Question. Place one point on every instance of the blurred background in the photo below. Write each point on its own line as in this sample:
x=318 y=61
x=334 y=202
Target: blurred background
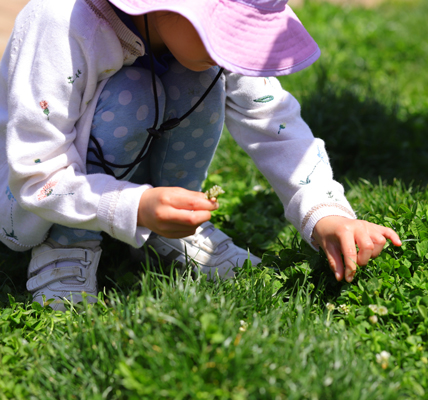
x=9 y=9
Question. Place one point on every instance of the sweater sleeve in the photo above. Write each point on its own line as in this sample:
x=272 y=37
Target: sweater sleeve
x=265 y=121
x=61 y=52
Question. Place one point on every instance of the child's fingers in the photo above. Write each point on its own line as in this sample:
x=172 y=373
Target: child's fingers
x=184 y=218
x=174 y=212
x=190 y=200
x=180 y=223
x=379 y=244
x=334 y=257
x=337 y=236
x=388 y=233
x=366 y=246
x=349 y=251
x=378 y=235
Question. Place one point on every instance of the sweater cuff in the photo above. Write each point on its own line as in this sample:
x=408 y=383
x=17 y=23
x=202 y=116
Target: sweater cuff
x=318 y=212
x=118 y=212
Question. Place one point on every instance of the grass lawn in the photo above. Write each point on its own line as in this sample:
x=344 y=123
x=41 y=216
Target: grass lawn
x=286 y=330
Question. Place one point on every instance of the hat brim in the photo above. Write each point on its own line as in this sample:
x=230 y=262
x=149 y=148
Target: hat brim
x=241 y=38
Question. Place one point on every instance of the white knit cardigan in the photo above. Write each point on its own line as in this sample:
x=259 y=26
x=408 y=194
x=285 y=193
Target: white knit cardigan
x=58 y=59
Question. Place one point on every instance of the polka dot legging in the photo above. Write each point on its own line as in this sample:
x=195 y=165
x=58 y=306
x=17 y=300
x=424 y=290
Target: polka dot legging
x=125 y=110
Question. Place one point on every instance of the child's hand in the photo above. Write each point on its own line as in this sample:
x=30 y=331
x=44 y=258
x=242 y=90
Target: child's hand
x=339 y=235
x=174 y=212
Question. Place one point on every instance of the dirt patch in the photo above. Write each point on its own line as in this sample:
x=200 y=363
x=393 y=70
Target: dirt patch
x=9 y=9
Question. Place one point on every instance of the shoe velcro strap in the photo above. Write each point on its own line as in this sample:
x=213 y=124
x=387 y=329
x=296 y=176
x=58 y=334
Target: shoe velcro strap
x=217 y=238
x=57 y=255
x=54 y=275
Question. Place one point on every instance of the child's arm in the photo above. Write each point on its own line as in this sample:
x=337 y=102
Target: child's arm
x=338 y=235
x=265 y=121
x=51 y=75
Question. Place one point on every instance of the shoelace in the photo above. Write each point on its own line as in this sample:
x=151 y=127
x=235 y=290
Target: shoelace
x=154 y=133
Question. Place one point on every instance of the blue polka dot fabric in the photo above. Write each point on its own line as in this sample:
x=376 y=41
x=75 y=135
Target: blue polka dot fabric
x=124 y=112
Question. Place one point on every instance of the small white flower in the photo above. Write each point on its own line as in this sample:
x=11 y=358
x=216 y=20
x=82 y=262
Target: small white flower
x=214 y=192
x=243 y=326
x=330 y=307
x=373 y=319
x=328 y=381
x=344 y=308
x=382 y=358
x=374 y=308
x=382 y=310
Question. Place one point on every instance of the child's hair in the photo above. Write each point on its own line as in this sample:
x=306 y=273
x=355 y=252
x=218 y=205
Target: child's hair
x=250 y=37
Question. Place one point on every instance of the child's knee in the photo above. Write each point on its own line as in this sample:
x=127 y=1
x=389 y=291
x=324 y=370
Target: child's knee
x=219 y=90
x=185 y=86
x=124 y=112
x=127 y=104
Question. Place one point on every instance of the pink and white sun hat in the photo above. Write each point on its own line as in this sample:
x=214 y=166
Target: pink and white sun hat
x=250 y=37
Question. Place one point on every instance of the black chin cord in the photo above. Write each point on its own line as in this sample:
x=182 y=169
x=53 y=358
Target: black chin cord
x=154 y=133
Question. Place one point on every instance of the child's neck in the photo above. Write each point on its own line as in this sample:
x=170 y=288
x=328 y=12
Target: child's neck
x=157 y=45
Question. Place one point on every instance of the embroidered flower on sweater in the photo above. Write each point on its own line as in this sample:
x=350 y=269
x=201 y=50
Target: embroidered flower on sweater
x=9 y=194
x=330 y=195
x=264 y=99
x=37 y=161
x=281 y=127
x=48 y=190
x=71 y=79
x=45 y=107
x=11 y=233
x=322 y=158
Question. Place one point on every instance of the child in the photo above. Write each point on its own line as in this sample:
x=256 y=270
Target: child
x=110 y=114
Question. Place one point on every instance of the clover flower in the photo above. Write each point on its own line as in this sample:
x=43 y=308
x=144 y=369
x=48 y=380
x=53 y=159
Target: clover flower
x=344 y=308
x=382 y=310
x=330 y=307
x=374 y=308
x=383 y=358
x=214 y=192
x=373 y=319
x=244 y=326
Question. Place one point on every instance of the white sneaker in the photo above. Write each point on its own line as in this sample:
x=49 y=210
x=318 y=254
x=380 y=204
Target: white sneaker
x=208 y=250
x=62 y=274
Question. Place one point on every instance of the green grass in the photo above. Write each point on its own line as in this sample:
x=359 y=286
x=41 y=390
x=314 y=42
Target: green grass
x=268 y=334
